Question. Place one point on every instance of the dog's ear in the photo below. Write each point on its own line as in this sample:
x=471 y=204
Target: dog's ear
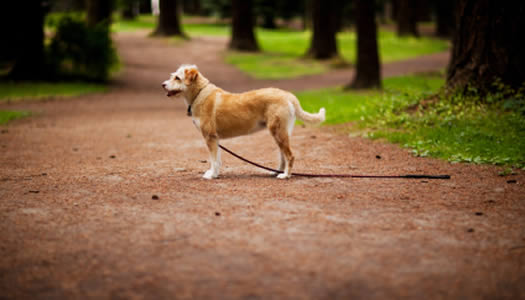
x=190 y=75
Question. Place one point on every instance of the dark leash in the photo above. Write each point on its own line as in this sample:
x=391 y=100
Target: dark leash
x=406 y=176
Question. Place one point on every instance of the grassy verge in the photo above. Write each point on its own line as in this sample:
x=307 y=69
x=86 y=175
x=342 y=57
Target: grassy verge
x=283 y=50
x=6 y=116
x=448 y=127
x=11 y=91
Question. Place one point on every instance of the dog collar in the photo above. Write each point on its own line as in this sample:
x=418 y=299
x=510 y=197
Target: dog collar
x=188 y=112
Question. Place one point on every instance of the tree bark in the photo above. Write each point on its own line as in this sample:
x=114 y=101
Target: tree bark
x=487 y=45
x=169 y=20
x=192 y=7
x=28 y=42
x=368 y=71
x=323 y=44
x=130 y=9
x=268 y=9
x=407 y=18
x=99 y=11
x=243 y=36
x=444 y=18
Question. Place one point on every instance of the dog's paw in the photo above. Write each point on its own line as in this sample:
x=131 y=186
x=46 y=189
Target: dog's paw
x=283 y=176
x=210 y=175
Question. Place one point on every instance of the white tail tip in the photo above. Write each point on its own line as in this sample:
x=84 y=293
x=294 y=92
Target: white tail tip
x=322 y=113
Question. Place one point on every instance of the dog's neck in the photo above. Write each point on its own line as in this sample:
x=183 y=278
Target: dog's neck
x=192 y=93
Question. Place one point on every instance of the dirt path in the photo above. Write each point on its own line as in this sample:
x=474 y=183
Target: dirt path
x=77 y=218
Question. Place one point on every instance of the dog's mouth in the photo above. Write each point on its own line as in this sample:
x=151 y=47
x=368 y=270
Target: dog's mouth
x=173 y=93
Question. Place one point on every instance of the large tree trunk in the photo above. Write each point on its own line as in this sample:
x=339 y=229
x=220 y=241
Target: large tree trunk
x=323 y=44
x=407 y=18
x=243 y=36
x=169 y=23
x=99 y=11
x=28 y=41
x=368 y=72
x=444 y=18
x=487 y=45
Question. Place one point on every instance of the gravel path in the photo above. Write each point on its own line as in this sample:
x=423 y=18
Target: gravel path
x=101 y=197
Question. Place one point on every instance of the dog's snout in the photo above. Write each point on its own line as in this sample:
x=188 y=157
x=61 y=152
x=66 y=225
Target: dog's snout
x=163 y=85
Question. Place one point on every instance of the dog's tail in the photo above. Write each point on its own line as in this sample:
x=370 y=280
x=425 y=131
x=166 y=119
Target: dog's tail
x=306 y=116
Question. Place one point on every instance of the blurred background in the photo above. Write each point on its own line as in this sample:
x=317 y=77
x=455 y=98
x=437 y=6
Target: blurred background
x=463 y=71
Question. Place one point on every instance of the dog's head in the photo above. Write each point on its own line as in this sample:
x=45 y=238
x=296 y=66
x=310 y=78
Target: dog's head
x=181 y=80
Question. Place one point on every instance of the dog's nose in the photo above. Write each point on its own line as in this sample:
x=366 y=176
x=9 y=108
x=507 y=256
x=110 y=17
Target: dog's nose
x=163 y=85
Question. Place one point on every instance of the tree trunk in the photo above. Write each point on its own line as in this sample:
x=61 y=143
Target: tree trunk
x=324 y=44
x=145 y=7
x=99 y=11
x=407 y=18
x=268 y=9
x=169 y=23
x=130 y=9
x=243 y=36
x=368 y=71
x=487 y=45
x=192 y=7
x=444 y=17
x=28 y=41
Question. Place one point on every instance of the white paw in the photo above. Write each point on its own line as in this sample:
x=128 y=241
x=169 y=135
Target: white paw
x=283 y=176
x=209 y=175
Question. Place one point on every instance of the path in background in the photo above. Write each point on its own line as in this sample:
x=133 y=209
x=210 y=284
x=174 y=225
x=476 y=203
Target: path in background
x=78 y=220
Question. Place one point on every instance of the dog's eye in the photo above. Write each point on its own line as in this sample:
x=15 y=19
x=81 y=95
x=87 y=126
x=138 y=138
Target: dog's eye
x=177 y=78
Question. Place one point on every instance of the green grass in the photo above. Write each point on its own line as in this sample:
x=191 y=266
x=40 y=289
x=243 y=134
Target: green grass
x=6 y=116
x=11 y=91
x=454 y=128
x=283 y=50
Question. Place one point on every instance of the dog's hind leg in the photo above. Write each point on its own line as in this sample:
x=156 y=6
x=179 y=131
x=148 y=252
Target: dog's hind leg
x=215 y=158
x=279 y=129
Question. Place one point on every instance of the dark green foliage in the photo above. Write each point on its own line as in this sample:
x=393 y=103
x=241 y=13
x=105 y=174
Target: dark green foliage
x=82 y=52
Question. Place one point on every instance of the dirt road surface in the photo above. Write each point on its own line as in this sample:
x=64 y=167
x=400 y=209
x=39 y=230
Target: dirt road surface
x=101 y=197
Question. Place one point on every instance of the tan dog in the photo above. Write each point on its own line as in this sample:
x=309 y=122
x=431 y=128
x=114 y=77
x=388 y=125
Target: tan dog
x=219 y=114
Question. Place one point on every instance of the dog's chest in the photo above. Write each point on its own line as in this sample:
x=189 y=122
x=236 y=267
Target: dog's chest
x=196 y=122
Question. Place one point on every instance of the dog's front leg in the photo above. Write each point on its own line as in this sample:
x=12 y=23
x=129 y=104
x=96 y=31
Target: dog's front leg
x=215 y=158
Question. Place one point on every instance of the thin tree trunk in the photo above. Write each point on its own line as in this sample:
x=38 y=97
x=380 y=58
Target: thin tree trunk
x=28 y=41
x=407 y=18
x=444 y=18
x=487 y=45
x=130 y=9
x=243 y=36
x=99 y=11
x=268 y=9
x=324 y=43
x=368 y=71
x=169 y=20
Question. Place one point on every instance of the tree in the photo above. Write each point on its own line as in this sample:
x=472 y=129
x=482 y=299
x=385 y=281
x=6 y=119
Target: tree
x=243 y=36
x=487 y=45
x=406 y=17
x=192 y=7
x=99 y=11
x=323 y=44
x=27 y=43
x=267 y=9
x=368 y=73
x=444 y=17
x=169 y=21
x=130 y=9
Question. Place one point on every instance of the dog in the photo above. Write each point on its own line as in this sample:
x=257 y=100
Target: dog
x=218 y=114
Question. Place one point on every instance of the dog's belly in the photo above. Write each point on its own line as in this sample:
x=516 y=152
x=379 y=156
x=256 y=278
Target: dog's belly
x=237 y=128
